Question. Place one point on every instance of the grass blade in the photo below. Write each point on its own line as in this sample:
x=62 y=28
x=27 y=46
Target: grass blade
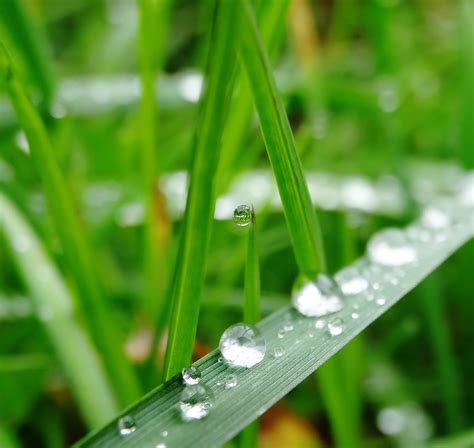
x=252 y=276
x=300 y=216
x=17 y=28
x=71 y=235
x=54 y=308
x=263 y=385
x=190 y=265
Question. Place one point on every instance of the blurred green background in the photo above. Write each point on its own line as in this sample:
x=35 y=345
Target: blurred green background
x=379 y=95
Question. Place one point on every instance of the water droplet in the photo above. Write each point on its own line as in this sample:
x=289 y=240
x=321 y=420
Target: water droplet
x=320 y=324
x=336 y=326
x=369 y=297
x=191 y=375
x=375 y=286
x=195 y=402
x=311 y=335
x=355 y=316
x=317 y=298
x=164 y=434
x=220 y=359
x=380 y=301
x=391 y=247
x=243 y=215
x=242 y=345
x=436 y=217
x=126 y=425
x=394 y=281
x=281 y=333
x=161 y=445
x=391 y=421
x=351 y=281
x=231 y=381
x=288 y=327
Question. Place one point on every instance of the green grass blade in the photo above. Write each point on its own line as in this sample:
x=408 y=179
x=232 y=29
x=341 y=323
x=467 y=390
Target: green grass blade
x=151 y=44
x=263 y=385
x=8 y=438
x=54 y=308
x=17 y=28
x=71 y=235
x=252 y=276
x=190 y=265
x=300 y=216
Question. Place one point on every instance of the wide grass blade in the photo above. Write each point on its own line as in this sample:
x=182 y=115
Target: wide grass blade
x=91 y=302
x=54 y=308
x=300 y=215
x=263 y=385
x=191 y=260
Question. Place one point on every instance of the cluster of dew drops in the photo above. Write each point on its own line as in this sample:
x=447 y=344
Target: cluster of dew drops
x=389 y=252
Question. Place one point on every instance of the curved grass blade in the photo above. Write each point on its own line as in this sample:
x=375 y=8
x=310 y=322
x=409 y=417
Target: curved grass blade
x=300 y=215
x=190 y=264
x=74 y=243
x=263 y=385
x=54 y=309
x=17 y=28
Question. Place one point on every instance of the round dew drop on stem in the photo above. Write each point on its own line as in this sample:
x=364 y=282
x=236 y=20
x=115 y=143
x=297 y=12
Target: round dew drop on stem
x=242 y=345
x=336 y=326
x=195 y=402
x=191 y=375
x=243 y=215
x=126 y=426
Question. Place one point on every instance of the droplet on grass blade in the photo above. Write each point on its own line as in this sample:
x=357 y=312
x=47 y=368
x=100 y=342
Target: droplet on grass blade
x=336 y=326
x=191 y=375
x=242 y=345
x=126 y=425
x=391 y=247
x=195 y=402
x=231 y=381
x=351 y=281
x=317 y=298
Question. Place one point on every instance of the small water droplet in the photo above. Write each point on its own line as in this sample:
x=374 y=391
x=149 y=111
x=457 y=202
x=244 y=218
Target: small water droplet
x=317 y=298
x=369 y=297
x=351 y=281
x=195 y=402
x=394 y=281
x=355 y=316
x=231 y=381
x=161 y=445
x=243 y=215
x=191 y=375
x=380 y=301
x=335 y=326
x=375 y=286
x=288 y=327
x=242 y=345
x=391 y=247
x=311 y=335
x=436 y=217
x=164 y=434
x=220 y=359
x=126 y=425
x=281 y=333
x=320 y=324
x=278 y=351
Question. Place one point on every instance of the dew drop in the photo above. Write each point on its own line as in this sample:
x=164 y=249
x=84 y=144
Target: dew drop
x=243 y=215
x=336 y=326
x=281 y=333
x=317 y=298
x=195 y=402
x=164 y=434
x=351 y=281
x=288 y=327
x=191 y=375
x=355 y=316
x=436 y=217
x=278 y=351
x=242 y=345
x=231 y=381
x=320 y=324
x=391 y=247
x=380 y=301
x=126 y=426
x=161 y=445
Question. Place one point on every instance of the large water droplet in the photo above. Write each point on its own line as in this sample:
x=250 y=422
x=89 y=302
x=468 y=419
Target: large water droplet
x=242 y=345
x=351 y=281
x=243 y=215
x=336 y=326
x=231 y=381
x=391 y=247
x=126 y=425
x=191 y=375
x=195 y=402
x=317 y=298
